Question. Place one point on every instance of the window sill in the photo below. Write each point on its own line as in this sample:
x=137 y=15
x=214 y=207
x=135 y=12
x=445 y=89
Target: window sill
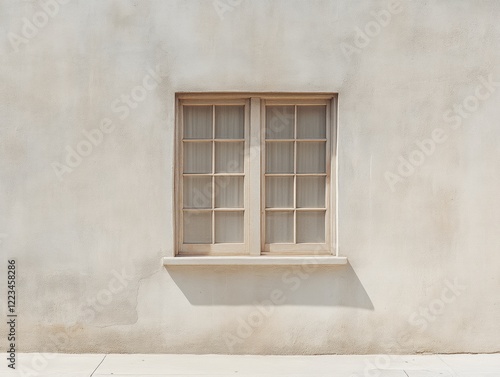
x=254 y=261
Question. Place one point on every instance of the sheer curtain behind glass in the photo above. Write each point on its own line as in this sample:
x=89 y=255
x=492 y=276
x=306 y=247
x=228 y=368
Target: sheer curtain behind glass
x=295 y=174
x=213 y=174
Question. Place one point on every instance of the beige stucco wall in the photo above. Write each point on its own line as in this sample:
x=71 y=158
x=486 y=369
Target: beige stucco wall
x=88 y=238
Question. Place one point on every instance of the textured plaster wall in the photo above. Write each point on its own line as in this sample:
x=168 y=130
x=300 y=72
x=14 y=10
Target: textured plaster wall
x=88 y=235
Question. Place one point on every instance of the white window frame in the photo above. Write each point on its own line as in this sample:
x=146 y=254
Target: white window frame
x=254 y=204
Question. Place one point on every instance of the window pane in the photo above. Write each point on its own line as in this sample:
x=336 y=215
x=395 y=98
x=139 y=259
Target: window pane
x=310 y=192
x=311 y=122
x=229 y=227
x=197 y=192
x=229 y=157
x=279 y=192
x=229 y=192
x=280 y=122
x=310 y=227
x=279 y=227
x=279 y=157
x=198 y=157
x=197 y=227
x=197 y=122
x=311 y=157
x=229 y=122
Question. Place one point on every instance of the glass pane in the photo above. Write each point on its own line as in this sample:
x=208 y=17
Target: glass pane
x=311 y=157
x=197 y=227
x=279 y=227
x=229 y=122
x=279 y=192
x=279 y=157
x=229 y=157
x=229 y=227
x=311 y=122
x=310 y=192
x=197 y=122
x=310 y=227
x=198 y=157
x=280 y=122
x=197 y=192
x=229 y=192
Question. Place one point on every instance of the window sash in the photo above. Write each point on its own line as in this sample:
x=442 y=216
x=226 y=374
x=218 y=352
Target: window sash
x=210 y=248
x=294 y=248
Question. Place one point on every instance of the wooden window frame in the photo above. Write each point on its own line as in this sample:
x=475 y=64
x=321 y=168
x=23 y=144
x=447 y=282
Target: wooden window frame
x=254 y=175
x=213 y=248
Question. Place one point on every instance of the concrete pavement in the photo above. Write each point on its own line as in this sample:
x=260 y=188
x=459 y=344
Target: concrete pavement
x=152 y=365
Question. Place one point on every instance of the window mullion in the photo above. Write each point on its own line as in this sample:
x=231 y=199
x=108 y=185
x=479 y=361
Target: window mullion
x=295 y=175
x=254 y=178
x=213 y=175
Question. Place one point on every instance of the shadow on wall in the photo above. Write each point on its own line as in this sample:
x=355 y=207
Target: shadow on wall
x=248 y=285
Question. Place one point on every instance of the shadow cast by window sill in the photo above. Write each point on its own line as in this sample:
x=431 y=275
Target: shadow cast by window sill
x=248 y=285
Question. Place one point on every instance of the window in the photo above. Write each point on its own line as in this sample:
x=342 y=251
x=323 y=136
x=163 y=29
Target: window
x=256 y=174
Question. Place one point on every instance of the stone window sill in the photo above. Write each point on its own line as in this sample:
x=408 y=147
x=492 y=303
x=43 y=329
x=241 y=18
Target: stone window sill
x=253 y=261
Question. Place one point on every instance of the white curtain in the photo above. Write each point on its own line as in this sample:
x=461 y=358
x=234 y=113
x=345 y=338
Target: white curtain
x=311 y=157
x=197 y=157
x=198 y=192
x=279 y=157
x=229 y=192
x=229 y=122
x=279 y=192
x=309 y=191
x=311 y=122
x=198 y=122
x=229 y=227
x=198 y=227
x=279 y=227
x=229 y=157
x=310 y=226
x=221 y=192
x=280 y=122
